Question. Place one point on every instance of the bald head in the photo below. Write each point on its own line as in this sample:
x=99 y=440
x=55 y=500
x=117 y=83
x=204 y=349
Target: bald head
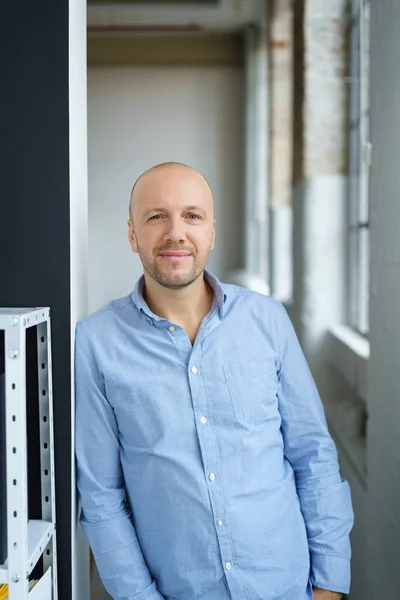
x=170 y=174
x=172 y=225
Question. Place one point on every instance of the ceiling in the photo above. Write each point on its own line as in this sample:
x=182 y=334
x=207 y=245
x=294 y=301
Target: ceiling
x=177 y=15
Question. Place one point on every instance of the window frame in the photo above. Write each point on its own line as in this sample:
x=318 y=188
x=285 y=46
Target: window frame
x=359 y=168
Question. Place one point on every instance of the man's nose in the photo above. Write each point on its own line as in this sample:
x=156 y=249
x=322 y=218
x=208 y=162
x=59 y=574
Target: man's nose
x=175 y=231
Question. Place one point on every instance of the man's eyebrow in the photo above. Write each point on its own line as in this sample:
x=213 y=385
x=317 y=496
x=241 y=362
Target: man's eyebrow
x=151 y=210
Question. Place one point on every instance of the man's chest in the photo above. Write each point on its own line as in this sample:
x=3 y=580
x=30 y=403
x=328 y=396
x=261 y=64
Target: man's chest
x=166 y=390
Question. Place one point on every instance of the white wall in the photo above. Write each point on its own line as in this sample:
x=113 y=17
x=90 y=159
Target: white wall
x=384 y=376
x=138 y=117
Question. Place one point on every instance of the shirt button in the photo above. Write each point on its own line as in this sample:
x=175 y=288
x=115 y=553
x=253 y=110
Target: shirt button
x=228 y=566
x=203 y=420
x=220 y=522
x=194 y=370
x=212 y=476
x=171 y=328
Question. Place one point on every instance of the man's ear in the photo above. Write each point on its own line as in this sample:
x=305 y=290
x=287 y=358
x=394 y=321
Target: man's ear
x=213 y=238
x=132 y=237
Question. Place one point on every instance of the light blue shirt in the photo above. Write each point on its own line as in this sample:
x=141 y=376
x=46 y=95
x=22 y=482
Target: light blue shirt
x=206 y=471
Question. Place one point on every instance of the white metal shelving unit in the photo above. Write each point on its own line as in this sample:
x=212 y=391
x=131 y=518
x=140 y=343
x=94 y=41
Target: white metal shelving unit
x=28 y=540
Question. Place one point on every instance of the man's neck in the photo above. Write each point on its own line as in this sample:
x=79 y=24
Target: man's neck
x=186 y=307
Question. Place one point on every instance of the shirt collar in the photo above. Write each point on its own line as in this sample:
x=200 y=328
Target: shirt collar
x=212 y=280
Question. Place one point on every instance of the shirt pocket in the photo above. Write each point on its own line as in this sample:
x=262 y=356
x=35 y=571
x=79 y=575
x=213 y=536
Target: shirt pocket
x=253 y=389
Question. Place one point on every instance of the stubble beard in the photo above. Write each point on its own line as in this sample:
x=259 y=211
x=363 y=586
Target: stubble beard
x=166 y=277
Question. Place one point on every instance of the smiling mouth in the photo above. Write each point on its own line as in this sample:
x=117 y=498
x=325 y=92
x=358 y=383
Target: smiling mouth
x=175 y=256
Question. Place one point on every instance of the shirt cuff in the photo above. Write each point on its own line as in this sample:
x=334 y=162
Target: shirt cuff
x=330 y=573
x=149 y=593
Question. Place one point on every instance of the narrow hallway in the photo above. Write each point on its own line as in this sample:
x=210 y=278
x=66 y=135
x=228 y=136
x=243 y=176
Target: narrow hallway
x=290 y=111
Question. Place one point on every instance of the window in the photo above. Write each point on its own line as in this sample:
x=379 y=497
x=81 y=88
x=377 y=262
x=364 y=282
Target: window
x=359 y=165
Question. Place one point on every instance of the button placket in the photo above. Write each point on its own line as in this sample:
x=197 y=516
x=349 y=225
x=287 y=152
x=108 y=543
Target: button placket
x=206 y=436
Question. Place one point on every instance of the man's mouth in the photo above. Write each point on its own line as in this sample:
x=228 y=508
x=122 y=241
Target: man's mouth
x=175 y=256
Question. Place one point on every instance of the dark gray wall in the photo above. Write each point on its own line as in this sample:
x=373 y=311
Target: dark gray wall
x=384 y=368
x=34 y=205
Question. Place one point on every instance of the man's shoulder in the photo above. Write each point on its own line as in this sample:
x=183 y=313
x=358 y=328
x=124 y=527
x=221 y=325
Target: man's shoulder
x=105 y=316
x=241 y=297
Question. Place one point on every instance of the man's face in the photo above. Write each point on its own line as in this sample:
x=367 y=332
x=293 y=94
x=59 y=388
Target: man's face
x=172 y=225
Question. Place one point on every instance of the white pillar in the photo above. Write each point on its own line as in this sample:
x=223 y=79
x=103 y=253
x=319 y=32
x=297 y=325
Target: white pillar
x=78 y=241
x=255 y=274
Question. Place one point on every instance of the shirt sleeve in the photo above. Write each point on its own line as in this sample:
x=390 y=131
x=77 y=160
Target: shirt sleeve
x=324 y=496
x=105 y=516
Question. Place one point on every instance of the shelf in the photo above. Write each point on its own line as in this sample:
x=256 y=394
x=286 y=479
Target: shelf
x=42 y=590
x=39 y=535
x=28 y=316
x=30 y=542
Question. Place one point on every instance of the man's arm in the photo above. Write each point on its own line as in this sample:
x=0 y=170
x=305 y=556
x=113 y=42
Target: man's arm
x=324 y=497
x=319 y=594
x=105 y=517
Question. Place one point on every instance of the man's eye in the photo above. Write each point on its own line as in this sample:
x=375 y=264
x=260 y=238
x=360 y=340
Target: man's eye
x=193 y=217
x=155 y=217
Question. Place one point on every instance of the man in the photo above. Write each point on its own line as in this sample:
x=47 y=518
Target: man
x=205 y=467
